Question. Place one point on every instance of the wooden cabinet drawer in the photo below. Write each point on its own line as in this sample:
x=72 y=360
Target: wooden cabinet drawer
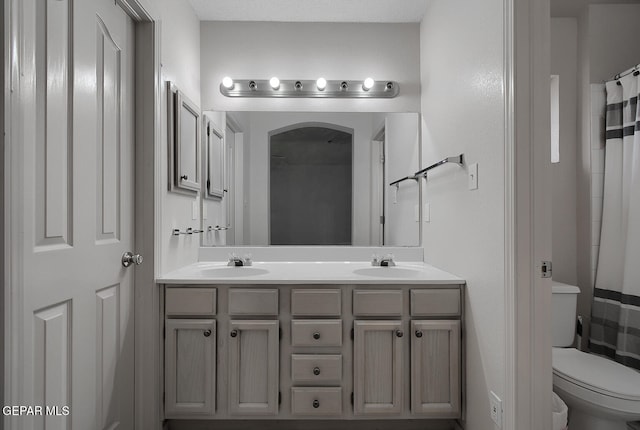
x=316 y=401
x=247 y=301
x=316 y=302
x=316 y=333
x=435 y=302
x=316 y=369
x=379 y=303
x=180 y=301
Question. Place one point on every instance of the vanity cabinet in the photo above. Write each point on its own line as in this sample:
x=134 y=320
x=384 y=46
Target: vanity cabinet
x=435 y=368
x=253 y=367
x=378 y=367
x=296 y=352
x=190 y=376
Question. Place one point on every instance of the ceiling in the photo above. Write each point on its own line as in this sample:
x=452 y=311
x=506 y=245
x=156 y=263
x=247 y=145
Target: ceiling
x=311 y=10
x=560 y=8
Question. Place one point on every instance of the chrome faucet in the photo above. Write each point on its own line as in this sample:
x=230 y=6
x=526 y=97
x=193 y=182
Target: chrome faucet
x=386 y=261
x=237 y=261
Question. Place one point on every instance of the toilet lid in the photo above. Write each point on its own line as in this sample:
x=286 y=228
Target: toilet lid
x=596 y=373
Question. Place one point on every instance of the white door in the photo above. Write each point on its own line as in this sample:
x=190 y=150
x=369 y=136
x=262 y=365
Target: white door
x=402 y=140
x=378 y=188
x=74 y=111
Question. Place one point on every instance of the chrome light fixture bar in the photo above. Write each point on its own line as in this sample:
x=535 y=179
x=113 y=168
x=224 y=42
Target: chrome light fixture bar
x=309 y=88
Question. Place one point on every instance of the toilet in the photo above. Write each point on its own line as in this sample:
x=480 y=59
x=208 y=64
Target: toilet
x=600 y=393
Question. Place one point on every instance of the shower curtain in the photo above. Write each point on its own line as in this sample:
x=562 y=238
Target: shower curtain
x=615 y=317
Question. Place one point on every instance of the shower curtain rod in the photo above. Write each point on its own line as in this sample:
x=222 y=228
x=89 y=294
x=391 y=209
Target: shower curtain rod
x=635 y=69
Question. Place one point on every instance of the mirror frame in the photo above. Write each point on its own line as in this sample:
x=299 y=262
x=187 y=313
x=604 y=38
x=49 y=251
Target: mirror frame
x=178 y=181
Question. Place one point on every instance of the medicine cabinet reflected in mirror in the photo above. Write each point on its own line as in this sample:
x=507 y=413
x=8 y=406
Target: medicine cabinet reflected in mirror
x=184 y=137
x=314 y=178
x=214 y=160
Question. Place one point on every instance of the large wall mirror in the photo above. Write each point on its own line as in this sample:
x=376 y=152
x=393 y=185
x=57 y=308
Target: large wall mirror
x=316 y=178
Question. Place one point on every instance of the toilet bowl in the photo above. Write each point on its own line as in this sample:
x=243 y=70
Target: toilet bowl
x=600 y=393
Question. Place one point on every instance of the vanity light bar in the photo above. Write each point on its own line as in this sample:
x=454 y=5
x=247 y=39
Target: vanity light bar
x=309 y=88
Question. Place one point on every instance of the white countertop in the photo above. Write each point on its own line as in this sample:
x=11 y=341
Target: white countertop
x=321 y=272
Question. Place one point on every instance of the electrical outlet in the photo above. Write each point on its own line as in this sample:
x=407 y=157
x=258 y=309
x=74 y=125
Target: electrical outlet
x=496 y=408
x=426 y=212
x=204 y=212
x=194 y=210
x=416 y=213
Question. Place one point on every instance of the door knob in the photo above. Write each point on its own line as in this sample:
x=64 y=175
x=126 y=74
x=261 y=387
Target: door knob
x=316 y=371
x=129 y=258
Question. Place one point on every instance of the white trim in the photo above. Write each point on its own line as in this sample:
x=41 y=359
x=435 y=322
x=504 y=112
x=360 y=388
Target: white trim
x=148 y=344
x=528 y=379
x=13 y=207
x=509 y=401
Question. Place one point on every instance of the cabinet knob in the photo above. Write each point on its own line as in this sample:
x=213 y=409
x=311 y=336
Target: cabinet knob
x=207 y=333
x=316 y=404
x=185 y=177
x=316 y=335
x=418 y=333
x=233 y=333
x=399 y=333
x=316 y=371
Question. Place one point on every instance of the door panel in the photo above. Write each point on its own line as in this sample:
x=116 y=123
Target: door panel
x=253 y=367
x=190 y=368
x=52 y=364
x=435 y=368
x=75 y=104
x=108 y=60
x=377 y=367
x=54 y=144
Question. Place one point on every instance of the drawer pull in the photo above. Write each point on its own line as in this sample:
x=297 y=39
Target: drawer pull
x=316 y=371
x=316 y=404
x=207 y=333
x=399 y=333
x=234 y=333
x=316 y=335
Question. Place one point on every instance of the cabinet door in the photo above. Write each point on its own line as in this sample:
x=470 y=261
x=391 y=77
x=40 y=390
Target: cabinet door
x=190 y=376
x=435 y=368
x=377 y=367
x=253 y=367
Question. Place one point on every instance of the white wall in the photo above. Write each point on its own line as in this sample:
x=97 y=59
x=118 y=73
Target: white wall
x=461 y=53
x=612 y=39
x=261 y=50
x=564 y=63
x=180 y=58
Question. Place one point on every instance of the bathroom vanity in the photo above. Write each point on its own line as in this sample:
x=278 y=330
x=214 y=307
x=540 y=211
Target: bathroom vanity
x=299 y=341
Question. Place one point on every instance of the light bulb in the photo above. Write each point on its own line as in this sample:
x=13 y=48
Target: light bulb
x=274 y=82
x=368 y=84
x=227 y=82
x=321 y=83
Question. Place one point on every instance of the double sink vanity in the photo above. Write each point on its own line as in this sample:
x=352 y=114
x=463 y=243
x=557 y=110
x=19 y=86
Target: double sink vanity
x=331 y=340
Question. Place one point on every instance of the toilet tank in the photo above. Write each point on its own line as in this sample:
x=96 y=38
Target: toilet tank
x=564 y=303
